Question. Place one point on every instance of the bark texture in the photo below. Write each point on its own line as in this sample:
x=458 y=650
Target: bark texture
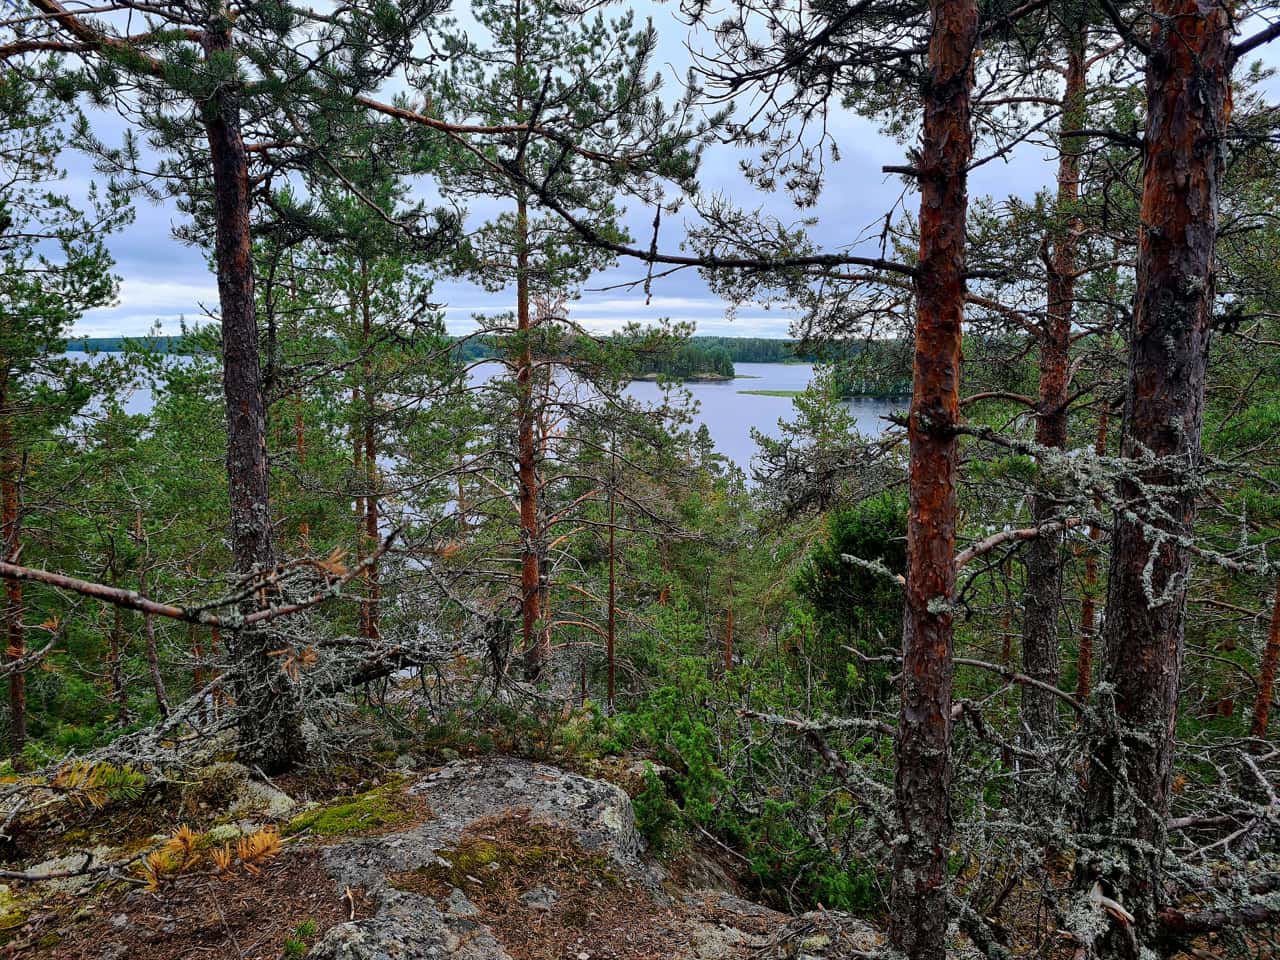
x=366 y=466
x=923 y=781
x=1267 y=675
x=612 y=632
x=269 y=717
x=535 y=650
x=1188 y=78
x=149 y=623
x=1040 y=658
x=11 y=529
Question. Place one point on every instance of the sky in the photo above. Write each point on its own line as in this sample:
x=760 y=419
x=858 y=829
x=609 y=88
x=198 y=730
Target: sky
x=164 y=281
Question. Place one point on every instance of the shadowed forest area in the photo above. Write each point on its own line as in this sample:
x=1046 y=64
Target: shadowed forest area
x=379 y=636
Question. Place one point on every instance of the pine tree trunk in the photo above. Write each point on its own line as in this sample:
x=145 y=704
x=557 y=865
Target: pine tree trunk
x=922 y=785
x=149 y=625
x=115 y=669
x=526 y=460
x=300 y=445
x=1044 y=553
x=611 y=636
x=1188 y=83
x=369 y=533
x=1267 y=675
x=268 y=713
x=15 y=633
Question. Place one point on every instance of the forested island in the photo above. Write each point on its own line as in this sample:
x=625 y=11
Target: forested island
x=864 y=368
x=377 y=633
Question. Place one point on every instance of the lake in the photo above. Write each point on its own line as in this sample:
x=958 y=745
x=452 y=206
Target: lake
x=728 y=413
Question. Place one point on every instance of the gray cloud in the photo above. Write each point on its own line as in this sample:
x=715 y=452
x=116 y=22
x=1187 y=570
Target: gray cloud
x=165 y=280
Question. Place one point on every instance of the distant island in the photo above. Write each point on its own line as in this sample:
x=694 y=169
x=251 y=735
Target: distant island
x=878 y=369
x=693 y=360
x=165 y=344
x=701 y=376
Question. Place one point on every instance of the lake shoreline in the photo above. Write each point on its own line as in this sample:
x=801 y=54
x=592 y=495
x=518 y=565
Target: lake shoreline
x=693 y=378
x=883 y=397
x=731 y=420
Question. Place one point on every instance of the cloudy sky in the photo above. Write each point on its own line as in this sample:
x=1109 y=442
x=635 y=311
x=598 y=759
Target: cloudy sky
x=164 y=281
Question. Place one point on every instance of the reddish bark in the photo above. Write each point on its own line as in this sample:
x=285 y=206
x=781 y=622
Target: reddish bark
x=268 y=719
x=1188 y=82
x=536 y=652
x=1267 y=675
x=1040 y=658
x=247 y=475
x=922 y=784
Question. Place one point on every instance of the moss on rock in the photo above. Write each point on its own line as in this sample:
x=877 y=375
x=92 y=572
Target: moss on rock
x=510 y=853
x=375 y=809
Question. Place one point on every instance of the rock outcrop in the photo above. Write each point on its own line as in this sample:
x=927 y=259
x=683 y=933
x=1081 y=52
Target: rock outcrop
x=511 y=854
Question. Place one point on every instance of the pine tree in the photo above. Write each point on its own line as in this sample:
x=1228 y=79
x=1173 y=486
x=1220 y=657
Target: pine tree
x=199 y=58
x=587 y=79
x=1188 y=81
x=54 y=265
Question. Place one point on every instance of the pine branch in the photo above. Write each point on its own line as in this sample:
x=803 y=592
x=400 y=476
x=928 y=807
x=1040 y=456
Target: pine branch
x=131 y=600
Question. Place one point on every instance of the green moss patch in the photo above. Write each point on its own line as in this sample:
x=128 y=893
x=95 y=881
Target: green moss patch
x=12 y=916
x=368 y=812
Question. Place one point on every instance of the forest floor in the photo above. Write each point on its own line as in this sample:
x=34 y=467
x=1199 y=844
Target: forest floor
x=495 y=859
x=289 y=901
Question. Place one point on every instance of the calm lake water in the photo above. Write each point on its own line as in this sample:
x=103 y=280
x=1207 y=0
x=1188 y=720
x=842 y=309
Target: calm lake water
x=729 y=414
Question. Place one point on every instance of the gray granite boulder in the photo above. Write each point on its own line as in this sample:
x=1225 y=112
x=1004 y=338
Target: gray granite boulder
x=707 y=925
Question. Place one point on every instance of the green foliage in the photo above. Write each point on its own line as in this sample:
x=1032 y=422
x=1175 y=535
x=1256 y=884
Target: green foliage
x=690 y=360
x=656 y=813
x=873 y=531
x=99 y=784
x=855 y=603
x=715 y=770
x=296 y=944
